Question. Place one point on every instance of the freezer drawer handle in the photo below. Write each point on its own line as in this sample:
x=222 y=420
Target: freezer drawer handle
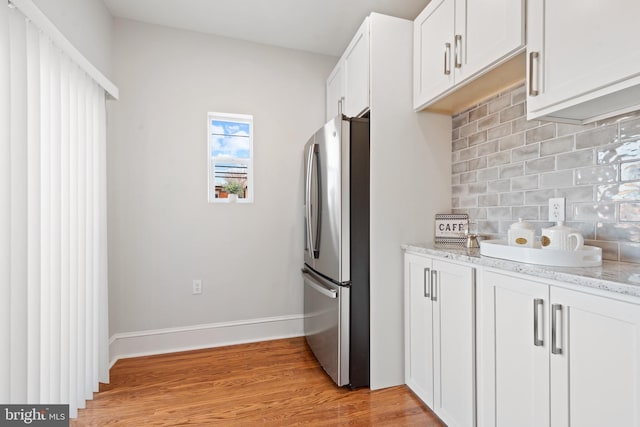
x=331 y=293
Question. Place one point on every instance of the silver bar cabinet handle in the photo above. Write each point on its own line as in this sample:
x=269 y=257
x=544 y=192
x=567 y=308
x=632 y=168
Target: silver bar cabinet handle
x=537 y=303
x=555 y=308
x=458 y=53
x=447 y=55
x=533 y=57
x=434 y=285
x=425 y=280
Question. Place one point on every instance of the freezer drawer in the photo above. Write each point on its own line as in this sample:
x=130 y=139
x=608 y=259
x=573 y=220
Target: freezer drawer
x=326 y=324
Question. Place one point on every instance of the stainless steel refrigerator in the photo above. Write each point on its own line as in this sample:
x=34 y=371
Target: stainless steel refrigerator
x=336 y=255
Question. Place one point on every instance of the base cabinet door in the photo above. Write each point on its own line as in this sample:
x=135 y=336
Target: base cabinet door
x=557 y=357
x=439 y=337
x=453 y=293
x=419 y=327
x=520 y=340
x=595 y=361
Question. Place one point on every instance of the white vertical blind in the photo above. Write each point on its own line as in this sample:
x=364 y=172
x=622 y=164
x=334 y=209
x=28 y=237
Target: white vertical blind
x=53 y=265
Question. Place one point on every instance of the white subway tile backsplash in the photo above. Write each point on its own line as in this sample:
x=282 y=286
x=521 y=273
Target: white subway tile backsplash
x=488 y=174
x=630 y=171
x=477 y=188
x=544 y=164
x=630 y=252
x=512 y=170
x=569 y=129
x=488 y=148
x=477 y=138
x=512 y=199
x=506 y=167
x=557 y=145
x=592 y=212
x=499 y=186
x=524 y=182
x=627 y=191
x=620 y=232
x=597 y=174
x=576 y=193
x=499 y=103
x=556 y=179
x=460 y=144
x=625 y=151
x=468 y=129
x=629 y=212
x=512 y=141
x=488 y=122
x=630 y=129
x=538 y=197
x=525 y=153
x=512 y=113
x=468 y=177
x=575 y=159
x=529 y=213
x=541 y=133
x=499 y=131
x=478 y=113
x=597 y=137
x=498 y=158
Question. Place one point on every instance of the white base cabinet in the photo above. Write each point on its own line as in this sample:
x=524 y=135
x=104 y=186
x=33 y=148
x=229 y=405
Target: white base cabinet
x=439 y=336
x=550 y=356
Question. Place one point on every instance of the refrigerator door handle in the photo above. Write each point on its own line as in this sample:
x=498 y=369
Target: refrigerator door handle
x=312 y=206
x=331 y=293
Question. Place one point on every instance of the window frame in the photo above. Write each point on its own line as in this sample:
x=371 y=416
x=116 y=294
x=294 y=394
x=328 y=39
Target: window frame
x=233 y=118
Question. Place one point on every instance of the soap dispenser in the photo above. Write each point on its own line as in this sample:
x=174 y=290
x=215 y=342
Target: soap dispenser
x=521 y=234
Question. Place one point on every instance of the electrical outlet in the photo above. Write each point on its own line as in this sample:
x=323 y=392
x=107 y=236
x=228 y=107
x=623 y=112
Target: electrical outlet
x=197 y=287
x=556 y=209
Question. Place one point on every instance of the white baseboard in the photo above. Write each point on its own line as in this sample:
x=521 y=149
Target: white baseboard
x=170 y=340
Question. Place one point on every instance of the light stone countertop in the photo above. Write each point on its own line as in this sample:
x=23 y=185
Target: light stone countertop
x=618 y=277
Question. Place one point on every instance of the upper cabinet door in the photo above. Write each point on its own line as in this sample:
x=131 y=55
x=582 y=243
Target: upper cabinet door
x=456 y=41
x=583 y=61
x=356 y=73
x=485 y=32
x=433 y=40
x=335 y=90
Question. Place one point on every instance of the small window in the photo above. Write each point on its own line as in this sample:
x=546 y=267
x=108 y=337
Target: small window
x=230 y=157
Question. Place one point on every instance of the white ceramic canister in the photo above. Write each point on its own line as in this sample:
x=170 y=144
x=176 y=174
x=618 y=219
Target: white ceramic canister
x=561 y=238
x=522 y=234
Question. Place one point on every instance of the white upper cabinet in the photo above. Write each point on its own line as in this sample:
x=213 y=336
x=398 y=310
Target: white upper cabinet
x=456 y=41
x=583 y=62
x=335 y=90
x=348 y=83
x=433 y=35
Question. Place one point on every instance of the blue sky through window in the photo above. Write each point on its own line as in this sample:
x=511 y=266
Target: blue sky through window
x=230 y=140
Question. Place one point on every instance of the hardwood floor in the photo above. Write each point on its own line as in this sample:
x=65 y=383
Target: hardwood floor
x=273 y=383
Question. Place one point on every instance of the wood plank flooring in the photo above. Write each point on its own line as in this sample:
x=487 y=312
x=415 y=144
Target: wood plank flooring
x=272 y=383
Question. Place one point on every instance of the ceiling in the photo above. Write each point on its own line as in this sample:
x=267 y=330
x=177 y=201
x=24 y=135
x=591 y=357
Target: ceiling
x=319 y=26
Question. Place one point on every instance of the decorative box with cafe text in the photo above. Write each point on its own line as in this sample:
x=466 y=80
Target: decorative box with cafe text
x=450 y=230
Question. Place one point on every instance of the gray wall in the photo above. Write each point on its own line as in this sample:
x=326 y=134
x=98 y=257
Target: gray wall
x=162 y=232
x=505 y=168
